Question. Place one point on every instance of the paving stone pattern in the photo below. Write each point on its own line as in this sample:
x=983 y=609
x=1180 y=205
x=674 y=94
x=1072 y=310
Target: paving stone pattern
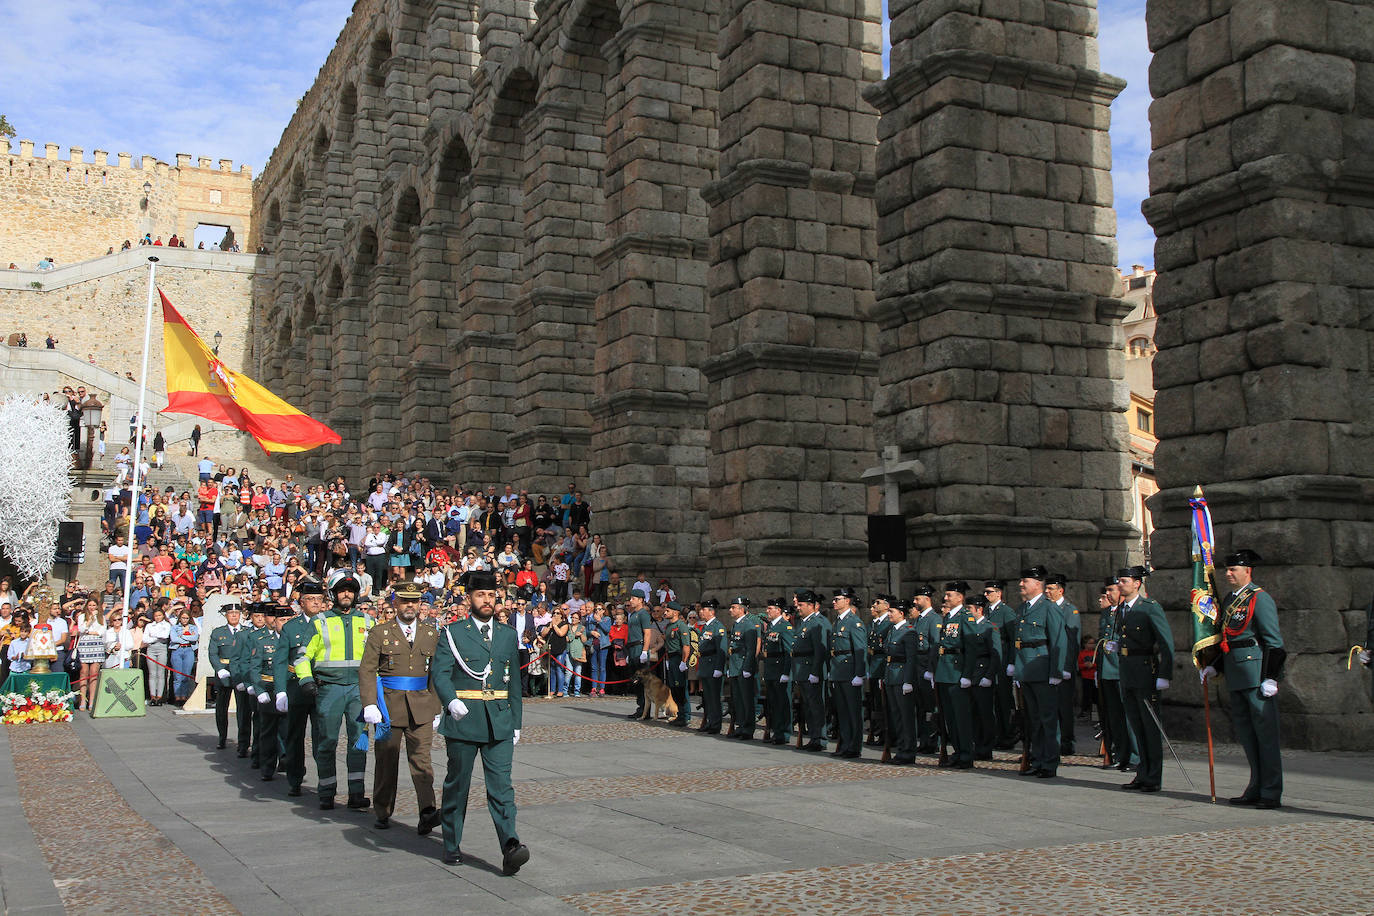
x=1208 y=874
x=99 y=850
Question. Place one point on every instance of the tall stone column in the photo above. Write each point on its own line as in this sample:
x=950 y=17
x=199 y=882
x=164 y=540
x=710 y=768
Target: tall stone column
x=424 y=384
x=1262 y=200
x=792 y=356
x=649 y=438
x=387 y=300
x=999 y=330
x=318 y=389
x=482 y=378
x=564 y=217
x=348 y=386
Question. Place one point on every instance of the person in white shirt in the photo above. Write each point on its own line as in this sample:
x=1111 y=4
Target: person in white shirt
x=156 y=636
x=643 y=587
x=119 y=560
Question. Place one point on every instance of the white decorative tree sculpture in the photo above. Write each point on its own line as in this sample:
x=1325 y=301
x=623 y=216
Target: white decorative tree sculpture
x=35 y=482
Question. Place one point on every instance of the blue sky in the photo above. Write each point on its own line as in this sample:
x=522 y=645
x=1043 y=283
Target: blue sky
x=222 y=79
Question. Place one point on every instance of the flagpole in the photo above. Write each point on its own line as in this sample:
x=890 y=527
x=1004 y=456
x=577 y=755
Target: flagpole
x=138 y=434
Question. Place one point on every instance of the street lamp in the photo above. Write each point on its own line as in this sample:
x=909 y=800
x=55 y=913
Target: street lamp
x=147 y=192
x=91 y=409
x=218 y=339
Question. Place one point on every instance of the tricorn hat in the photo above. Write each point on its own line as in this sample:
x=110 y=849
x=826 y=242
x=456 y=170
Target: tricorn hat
x=1243 y=557
x=1034 y=572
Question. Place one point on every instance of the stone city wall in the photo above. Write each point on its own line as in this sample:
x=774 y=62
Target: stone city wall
x=100 y=312
x=78 y=208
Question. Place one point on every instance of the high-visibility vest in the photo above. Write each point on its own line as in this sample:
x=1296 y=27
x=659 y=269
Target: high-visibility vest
x=335 y=651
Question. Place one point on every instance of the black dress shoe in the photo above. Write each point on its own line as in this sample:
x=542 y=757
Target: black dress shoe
x=429 y=819
x=904 y=761
x=327 y=804
x=852 y=755
x=982 y=756
x=294 y=791
x=1133 y=785
x=358 y=802
x=1033 y=771
x=266 y=776
x=243 y=754
x=946 y=763
x=1268 y=804
x=1045 y=774
x=515 y=855
x=964 y=765
x=638 y=713
x=679 y=723
x=383 y=823
x=813 y=746
x=744 y=736
x=220 y=746
x=1149 y=788
x=1245 y=800
x=780 y=741
x=453 y=858
x=1066 y=750
x=1125 y=767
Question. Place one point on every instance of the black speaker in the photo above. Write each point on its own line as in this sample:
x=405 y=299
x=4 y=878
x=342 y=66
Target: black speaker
x=71 y=543
x=886 y=539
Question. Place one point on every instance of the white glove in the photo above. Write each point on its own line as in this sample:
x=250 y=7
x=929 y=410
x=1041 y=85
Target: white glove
x=643 y=658
x=457 y=708
x=222 y=673
x=1016 y=684
x=1097 y=680
x=1064 y=675
x=372 y=715
x=1011 y=670
x=516 y=738
x=437 y=719
x=1365 y=657
x=930 y=676
x=716 y=673
x=1207 y=674
x=1269 y=687
x=907 y=688
x=1161 y=683
x=984 y=682
x=746 y=674
x=857 y=682
x=264 y=697
x=682 y=666
x=812 y=679
x=965 y=683
x=241 y=686
x=784 y=679
x=1055 y=682
x=281 y=702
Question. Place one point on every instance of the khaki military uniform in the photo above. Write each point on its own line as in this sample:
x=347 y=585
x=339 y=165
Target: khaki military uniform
x=389 y=655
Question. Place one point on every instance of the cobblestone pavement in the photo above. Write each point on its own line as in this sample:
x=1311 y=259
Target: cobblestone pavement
x=1219 y=873
x=97 y=848
x=565 y=734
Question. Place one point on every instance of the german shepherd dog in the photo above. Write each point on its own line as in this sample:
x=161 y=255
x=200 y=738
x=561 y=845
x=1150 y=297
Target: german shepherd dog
x=657 y=696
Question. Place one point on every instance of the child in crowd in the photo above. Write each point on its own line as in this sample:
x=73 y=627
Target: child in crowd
x=1087 y=670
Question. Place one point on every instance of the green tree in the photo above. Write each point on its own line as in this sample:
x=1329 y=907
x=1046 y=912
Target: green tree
x=6 y=128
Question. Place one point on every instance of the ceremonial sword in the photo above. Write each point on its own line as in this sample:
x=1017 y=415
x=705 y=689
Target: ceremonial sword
x=1149 y=707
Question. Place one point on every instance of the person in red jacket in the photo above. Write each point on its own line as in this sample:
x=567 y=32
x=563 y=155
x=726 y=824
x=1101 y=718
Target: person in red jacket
x=1087 y=670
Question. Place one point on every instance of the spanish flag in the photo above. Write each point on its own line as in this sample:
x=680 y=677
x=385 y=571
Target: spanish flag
x=198 y=383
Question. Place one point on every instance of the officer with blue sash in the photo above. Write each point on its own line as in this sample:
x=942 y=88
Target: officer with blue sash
x=393 y=683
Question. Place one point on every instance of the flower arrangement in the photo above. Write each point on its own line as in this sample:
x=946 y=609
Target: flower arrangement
x=36 y=706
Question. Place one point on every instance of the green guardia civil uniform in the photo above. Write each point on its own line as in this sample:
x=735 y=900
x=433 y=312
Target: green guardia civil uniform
x=330 y=661
x=775 y=665
x=241 y=674
x=677 y=637
x=1147 y=653
x=848 y=660
x=873 y=686
x=637 y=623
x=1116 y=733
x=988 y=659
x=955 y=666
x=1253 y=652
x=810 y=655
x=1039 y=652
x=1002 y=615
x=927 y=627
x=1073 y=638
x=484 y=673
x=712 y=656
x=744 y=640
x=296 y=634
x=220 y=651
x=900 y=651
x=262 y=657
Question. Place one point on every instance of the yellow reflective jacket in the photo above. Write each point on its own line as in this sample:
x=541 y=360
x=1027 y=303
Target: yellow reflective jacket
x=335 y=651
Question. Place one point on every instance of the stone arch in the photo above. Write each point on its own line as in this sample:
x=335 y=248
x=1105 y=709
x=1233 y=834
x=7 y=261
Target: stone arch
x=347 y=113
x=364 y=259
x=319 y=150
x=379 y=59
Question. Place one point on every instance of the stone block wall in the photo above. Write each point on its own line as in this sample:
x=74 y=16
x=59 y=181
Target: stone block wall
x=78 y=208
x=1260 y=180
x=1001 y=365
